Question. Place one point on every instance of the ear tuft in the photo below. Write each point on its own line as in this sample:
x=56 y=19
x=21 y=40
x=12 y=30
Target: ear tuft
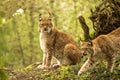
x=90 y=43
x=50 y=16
x=40 y=15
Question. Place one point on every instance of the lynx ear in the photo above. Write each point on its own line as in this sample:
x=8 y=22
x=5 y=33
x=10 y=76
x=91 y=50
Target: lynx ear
x=40 y=17
x=90 y=43
x=50 y=16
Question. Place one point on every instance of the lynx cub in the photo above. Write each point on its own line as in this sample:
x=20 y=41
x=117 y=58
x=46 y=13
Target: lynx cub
x=103 y=47
x=55 y=43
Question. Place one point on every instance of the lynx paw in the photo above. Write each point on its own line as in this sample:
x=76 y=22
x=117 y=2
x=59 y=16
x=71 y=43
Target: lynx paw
x=79 y=73
x=55 y=66
x=41 y=67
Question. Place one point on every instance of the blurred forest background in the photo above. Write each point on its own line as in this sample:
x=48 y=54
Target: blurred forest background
x=19 y=36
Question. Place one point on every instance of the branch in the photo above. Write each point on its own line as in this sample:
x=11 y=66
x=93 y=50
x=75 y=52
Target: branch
x=84 y=27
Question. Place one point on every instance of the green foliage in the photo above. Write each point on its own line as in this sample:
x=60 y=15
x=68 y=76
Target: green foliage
x=3 y=75
x=70 y=73
x=19 y=38
x=63 y=73
x=19 y=41
x=66 y=73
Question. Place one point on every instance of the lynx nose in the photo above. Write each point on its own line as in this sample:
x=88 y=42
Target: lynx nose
x=45 y=29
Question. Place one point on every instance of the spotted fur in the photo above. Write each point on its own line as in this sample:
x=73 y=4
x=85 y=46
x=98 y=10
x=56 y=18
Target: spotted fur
x=55 y=43
x=104 y=47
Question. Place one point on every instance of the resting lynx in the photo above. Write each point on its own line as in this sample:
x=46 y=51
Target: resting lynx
x=103 y=47
x=55 y=43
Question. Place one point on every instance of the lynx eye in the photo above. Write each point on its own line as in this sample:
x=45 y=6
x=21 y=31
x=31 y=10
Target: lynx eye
x=41 y=24
x=49 y=24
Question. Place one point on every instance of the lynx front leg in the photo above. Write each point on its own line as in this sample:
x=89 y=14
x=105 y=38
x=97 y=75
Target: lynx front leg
x=87 y=66
x=43 y=62
x=110 y=65
x=48 y=59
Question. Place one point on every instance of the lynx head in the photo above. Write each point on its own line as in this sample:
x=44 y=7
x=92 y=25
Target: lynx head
x=86 y=48
x=45 y=24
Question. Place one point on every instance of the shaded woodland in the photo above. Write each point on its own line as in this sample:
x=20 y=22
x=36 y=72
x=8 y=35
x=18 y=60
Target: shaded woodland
x=20 y=52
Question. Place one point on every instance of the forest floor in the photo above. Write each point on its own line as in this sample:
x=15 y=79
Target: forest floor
x=31 y=72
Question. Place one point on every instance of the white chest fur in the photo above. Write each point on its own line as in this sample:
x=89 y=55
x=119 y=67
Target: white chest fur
x=43 y=40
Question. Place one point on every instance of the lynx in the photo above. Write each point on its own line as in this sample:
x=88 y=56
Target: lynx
x=104 y=47
x=55 y=43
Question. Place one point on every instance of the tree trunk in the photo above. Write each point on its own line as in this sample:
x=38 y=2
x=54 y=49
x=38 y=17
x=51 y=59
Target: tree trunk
x=19 y=42
x=31 y=36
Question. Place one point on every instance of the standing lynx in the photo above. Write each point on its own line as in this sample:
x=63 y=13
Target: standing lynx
x=103 y=47
x=55 y=43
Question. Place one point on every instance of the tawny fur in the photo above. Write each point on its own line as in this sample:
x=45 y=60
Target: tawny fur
x=55 y=43
x=104 y=47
